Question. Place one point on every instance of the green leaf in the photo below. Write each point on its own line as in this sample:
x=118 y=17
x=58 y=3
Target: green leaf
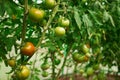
x=105 y=16
x=112 y=22
x=10 y=7
x=9 y=43
x=2 y=9
x=92 y=13
x=77 y=18
x=86 y=20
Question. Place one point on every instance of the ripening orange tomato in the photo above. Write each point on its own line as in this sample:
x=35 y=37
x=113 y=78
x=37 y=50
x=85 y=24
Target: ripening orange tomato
x=28 y=49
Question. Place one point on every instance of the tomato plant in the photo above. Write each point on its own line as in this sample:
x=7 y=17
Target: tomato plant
x=67 y=35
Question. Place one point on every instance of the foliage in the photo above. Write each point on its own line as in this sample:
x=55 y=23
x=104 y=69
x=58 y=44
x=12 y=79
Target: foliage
x=95 y=23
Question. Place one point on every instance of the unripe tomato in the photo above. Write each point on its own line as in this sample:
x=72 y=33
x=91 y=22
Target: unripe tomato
x=28 y=49
x=81 y=71
x=84 y=1
x=84 y=75
x=64 y=22
x=11 y=62
x=90 y=71
x=57 y=61
x=85 y=49
x=45 y=66
x=96 y=66
x=60 y=31
x=44 y=74
x=50 y=4
x=88 y=55
x=85 y=58
x=36 y=15
x=75 y=56
x=23 y=73
x=79 y=57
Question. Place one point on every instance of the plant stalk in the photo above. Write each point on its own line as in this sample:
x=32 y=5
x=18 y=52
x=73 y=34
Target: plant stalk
x=65 y=58
x=24 y=26
x=53 y=65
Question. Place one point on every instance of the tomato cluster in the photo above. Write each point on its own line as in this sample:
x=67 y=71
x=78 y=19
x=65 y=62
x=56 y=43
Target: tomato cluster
x=63 y=24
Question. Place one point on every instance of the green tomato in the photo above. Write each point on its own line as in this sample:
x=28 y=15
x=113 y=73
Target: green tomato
x=50 y=4
x=45 y=66
x=64 y=22
x=96 y=66
x=81 y=58
x=88 y=55
x=23 y=72
x=36 y=15
x=45 y=74
x=90 y=71
x=81 y=71
x=78 y=57
x=85 y=49
x=57 y=61
x=60 y=31
x=75 y=56
x=84 y=75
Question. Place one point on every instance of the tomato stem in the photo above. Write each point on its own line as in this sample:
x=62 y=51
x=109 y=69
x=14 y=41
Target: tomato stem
x=24 y=21
x=24 y=26
x=53 y=64
x=65 y=58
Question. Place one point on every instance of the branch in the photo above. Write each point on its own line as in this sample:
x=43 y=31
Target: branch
x=68 y=52
x=24 y=26
x=24 y=21
x=47 y=25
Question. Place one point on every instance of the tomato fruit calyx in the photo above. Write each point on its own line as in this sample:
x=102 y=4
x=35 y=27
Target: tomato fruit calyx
x=60 y=31
x=36 y=15
x=28 y=49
